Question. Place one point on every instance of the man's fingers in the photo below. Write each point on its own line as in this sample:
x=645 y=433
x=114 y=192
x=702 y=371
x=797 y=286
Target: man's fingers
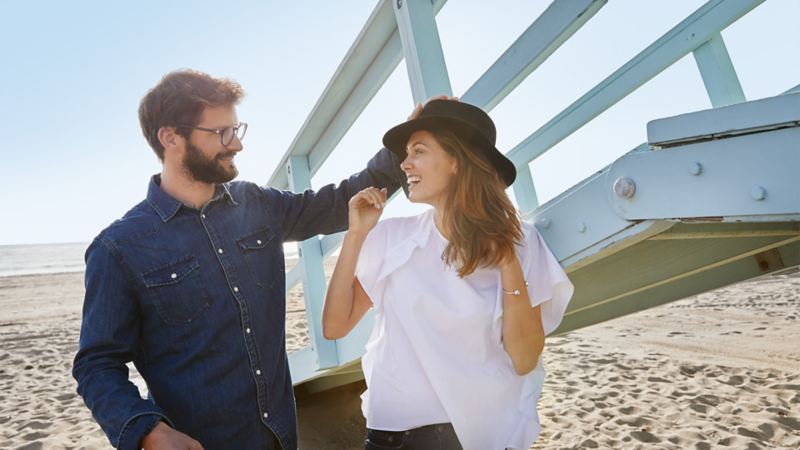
x=420 y=106
x=416 y=112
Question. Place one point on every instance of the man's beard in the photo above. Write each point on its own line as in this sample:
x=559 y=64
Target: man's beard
x=206 y=170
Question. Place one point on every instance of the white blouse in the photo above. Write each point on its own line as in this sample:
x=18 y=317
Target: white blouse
x=435 y=354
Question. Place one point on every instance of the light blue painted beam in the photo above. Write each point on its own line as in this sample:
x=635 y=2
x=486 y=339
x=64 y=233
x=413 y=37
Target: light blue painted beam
x=793 y=90
x=725 y=189
x=310 y=253
x=579 y=218
x=303 y=365
x=422 y=48
x=672 y=46
x=718 y=74
x=525 y=191
x=748 y=175
x=328 y=244
x=764 y=114
x=546 y=34
x=373 y=56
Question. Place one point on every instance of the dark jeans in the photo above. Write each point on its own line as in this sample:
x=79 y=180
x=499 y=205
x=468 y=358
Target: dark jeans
x=440 y=436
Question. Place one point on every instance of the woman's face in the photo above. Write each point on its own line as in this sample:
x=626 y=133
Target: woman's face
x=429 y=169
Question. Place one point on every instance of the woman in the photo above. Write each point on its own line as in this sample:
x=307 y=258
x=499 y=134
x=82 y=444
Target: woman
x=454 y=356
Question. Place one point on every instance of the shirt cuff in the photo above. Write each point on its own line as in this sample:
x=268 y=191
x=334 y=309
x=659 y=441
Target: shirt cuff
x=137 y=427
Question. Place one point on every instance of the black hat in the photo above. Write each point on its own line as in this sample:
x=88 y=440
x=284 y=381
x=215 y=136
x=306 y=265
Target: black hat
x=467 y=121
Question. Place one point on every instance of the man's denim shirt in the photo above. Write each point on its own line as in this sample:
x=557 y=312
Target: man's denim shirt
x=196 y=300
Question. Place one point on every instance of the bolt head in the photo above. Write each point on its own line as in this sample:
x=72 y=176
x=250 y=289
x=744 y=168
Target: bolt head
x=758 y=193
x=624 y=187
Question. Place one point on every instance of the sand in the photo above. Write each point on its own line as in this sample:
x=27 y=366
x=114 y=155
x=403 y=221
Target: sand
x=717 y=370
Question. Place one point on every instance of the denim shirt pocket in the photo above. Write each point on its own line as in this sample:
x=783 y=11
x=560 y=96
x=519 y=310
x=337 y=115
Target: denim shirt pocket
x=177 y=290
x=263 y=256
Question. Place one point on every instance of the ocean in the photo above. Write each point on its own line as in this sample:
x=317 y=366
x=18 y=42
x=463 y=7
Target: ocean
x=58 y=258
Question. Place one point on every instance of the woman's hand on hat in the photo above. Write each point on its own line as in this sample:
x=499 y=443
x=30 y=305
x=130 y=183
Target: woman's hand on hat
x=365 y=208
x=420 y=106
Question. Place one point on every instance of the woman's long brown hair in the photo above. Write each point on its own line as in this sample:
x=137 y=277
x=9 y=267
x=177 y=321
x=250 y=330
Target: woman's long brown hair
x=481 y=223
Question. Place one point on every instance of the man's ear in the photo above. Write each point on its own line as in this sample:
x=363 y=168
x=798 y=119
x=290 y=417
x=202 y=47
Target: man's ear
x=168 y=137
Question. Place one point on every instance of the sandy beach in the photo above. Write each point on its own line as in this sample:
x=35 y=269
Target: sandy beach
x=718 y=370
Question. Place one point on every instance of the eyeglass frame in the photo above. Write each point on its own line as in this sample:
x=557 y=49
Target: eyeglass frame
x=221 y=131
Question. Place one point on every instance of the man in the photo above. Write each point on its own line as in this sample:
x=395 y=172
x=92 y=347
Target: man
x=189 y=285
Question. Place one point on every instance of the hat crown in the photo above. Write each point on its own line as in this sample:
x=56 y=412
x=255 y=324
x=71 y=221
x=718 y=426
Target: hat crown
x=469 y=115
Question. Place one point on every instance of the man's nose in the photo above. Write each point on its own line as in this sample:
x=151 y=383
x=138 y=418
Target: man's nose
x=235 y=145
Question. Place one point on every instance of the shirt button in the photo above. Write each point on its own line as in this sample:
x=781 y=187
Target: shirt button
x=258 y=242
x=173 y=276
x=235 y=289
x=266 y=415
x=258 y=372
x=203 y=216
x=247 y=331
x=219 y=251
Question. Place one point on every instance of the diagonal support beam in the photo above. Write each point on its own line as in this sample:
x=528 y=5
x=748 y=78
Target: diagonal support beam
x=718 y=74
x=542 y=38
x=427 y=71
x=691 y=33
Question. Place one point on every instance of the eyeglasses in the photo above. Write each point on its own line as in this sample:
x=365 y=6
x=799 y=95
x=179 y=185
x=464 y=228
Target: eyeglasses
x=225 y=134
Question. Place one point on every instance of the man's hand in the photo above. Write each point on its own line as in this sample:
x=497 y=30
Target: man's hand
x=418 y=109
x=163 y=437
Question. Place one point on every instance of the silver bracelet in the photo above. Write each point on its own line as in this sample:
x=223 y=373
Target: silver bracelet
x=514 y=292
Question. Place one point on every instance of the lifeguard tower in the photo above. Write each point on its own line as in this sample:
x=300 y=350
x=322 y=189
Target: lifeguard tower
x=712 y=197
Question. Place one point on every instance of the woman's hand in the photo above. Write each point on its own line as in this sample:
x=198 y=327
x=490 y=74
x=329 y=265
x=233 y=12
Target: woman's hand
x=366 y=208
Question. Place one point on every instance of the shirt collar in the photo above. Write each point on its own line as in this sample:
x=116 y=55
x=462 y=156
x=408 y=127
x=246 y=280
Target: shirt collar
x=222 y=190
x=166 y=206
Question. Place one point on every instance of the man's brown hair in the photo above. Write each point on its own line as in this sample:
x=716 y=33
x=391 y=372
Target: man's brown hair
x=178 y=101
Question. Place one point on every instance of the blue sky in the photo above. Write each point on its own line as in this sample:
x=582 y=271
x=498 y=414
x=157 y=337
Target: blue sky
x=74 y=72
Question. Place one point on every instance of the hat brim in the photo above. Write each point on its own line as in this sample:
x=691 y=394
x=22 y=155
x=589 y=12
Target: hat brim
x=397 y=137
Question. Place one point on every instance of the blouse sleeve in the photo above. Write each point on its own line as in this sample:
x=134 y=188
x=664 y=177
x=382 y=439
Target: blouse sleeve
x=370 y=262
x=548 y=284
